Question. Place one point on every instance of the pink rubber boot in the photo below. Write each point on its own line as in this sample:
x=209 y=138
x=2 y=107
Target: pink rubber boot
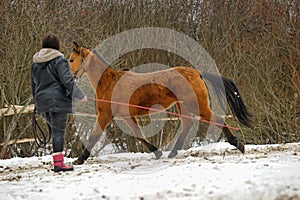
x=58 y=159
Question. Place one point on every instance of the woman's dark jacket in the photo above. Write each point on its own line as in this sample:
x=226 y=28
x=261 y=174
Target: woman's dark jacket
x=53 y=85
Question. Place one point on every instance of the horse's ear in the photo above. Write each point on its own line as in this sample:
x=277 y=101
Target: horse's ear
x=76 y=46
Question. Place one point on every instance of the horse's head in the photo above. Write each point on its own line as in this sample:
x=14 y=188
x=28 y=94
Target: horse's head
x=76 y=60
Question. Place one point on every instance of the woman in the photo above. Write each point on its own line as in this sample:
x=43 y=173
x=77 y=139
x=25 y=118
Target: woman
x=54 y=89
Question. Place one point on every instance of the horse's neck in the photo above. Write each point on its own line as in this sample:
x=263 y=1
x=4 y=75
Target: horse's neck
x=96 y=69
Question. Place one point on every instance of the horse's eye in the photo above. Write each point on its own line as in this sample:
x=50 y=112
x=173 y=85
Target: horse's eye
x=71 y=60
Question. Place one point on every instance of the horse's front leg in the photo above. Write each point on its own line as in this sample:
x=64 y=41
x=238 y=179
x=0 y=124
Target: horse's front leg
x=99 y=127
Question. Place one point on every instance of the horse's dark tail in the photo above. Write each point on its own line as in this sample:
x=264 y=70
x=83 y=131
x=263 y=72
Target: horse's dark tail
x=233 y=97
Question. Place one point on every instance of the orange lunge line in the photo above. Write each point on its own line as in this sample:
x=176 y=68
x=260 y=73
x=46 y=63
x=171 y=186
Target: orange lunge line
x=164 y=111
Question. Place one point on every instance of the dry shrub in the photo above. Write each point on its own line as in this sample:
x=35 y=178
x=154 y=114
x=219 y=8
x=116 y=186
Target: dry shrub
x=254 y=42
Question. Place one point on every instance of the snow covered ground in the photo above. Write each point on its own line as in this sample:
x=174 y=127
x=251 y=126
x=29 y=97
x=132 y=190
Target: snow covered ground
x=215 y=171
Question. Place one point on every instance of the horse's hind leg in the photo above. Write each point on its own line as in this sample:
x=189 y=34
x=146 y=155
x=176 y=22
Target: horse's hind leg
x=231 y=138
x=185 y=125
x=134 y=126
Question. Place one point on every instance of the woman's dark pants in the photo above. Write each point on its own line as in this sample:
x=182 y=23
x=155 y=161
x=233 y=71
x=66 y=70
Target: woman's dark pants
x=58 y=124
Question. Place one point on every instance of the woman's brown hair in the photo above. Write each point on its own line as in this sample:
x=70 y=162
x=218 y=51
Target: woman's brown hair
x=50 y=41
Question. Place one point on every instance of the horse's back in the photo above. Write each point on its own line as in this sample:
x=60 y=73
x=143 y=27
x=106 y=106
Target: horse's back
x=163 y=87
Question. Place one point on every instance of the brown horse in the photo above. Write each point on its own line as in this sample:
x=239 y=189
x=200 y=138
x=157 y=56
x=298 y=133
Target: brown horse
x=182 y=86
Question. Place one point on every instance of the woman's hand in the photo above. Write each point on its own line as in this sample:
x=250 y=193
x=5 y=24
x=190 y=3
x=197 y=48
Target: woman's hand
x=84 y=99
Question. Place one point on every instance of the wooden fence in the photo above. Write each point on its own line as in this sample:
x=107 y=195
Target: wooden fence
x=10 y=116
x=8 y=113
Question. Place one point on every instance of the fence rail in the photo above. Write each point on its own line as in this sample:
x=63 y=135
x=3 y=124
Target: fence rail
x=15 y=109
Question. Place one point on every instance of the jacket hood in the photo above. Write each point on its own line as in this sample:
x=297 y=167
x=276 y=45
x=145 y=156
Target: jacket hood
x=45 y=55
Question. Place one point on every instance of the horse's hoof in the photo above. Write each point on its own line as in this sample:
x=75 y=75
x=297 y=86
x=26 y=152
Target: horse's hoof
x=241 y=147
x=236 y=142
x=77 y=162
x=172 y=154
x=157 y=154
